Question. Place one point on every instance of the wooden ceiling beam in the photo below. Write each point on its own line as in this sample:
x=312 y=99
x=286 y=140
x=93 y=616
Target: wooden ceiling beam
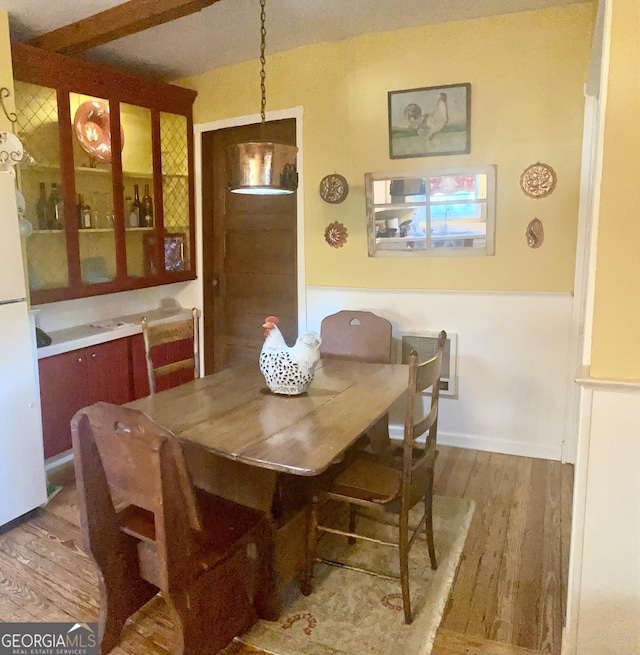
x=125 y=19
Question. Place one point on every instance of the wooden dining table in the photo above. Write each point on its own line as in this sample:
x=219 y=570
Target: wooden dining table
x=264 y=450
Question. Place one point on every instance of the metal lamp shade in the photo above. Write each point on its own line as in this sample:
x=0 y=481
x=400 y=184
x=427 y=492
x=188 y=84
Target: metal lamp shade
x=262 y=168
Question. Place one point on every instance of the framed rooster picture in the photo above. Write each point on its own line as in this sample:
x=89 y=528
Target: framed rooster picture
x=433 y=120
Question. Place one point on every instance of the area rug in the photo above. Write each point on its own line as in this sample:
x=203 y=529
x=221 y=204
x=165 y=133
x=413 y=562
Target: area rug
x=353 y=613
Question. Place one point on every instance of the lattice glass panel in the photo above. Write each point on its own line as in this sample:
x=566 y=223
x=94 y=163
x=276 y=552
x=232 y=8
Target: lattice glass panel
x=175 y=187
x=37 y=124
x=47 y=260
x=39 y=172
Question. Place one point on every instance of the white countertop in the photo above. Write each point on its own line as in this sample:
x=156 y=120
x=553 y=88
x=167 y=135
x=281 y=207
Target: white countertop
x=91 y=334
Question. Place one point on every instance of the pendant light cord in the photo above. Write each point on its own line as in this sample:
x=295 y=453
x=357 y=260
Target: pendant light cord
x=263 y=75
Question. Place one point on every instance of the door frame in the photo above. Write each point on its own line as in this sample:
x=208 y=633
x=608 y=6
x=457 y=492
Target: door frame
x=198 y=130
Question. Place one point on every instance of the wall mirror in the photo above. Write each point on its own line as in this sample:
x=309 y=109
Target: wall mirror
x=437 y=213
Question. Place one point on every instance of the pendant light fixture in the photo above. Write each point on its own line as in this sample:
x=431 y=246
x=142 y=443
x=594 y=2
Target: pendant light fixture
x=262 y=167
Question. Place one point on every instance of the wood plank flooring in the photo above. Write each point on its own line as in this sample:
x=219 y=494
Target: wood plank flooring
x=511 y=582
x=508 y=598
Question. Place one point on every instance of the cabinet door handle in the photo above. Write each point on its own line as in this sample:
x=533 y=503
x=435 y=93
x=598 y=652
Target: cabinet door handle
x=93 y=355
x=79 y=359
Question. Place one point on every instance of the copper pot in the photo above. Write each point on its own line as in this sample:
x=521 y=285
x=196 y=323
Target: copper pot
x=261 y=167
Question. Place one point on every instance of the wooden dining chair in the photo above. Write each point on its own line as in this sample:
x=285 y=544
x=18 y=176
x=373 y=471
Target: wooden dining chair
x=149 y=530
x=391 y=482
x=161 y=334
x=364 y=337
x=357 y=335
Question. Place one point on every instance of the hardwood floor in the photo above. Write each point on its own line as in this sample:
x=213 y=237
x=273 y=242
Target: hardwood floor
x=510 y=587
x=512 y=580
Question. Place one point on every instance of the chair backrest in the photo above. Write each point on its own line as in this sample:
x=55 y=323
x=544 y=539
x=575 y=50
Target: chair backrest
x=357 y=335
x=125 y=460
x=158 y=334
x=418 y=419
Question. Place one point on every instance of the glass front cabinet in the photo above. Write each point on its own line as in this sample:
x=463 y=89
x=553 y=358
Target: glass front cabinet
x=107 y=177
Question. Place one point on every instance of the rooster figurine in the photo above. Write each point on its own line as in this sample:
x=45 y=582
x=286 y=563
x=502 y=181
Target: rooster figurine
x=288 y=370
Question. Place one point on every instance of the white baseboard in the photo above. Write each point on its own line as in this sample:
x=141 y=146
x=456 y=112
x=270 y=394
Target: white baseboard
x=490 y=444
x=58 y=460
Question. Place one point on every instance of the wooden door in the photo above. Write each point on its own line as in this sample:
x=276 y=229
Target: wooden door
x=249 y=255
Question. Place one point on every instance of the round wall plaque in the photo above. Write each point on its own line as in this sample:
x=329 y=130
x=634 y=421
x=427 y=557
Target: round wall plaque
x=334 y=188
x=538 y=181
x=336 y=235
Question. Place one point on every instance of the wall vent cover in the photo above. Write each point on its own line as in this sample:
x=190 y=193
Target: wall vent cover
x=426 y=345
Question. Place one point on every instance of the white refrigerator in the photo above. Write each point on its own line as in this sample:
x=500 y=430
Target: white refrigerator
x=22 y=475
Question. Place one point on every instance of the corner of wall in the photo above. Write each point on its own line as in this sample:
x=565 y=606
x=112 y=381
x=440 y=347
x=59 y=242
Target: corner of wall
x=6 y=72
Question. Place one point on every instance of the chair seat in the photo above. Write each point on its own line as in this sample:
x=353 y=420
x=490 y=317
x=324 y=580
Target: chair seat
x=375 y=478
x=231 y=521
x=368 y=480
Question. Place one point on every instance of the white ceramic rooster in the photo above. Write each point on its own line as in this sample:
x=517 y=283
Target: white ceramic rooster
x=288 y=370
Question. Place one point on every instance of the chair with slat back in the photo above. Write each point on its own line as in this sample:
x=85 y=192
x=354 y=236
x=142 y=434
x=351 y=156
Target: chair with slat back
x=391 y=482
x=149 y=530
x=158 y=334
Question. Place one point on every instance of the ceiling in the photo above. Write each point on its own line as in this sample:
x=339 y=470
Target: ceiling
x=228 y=31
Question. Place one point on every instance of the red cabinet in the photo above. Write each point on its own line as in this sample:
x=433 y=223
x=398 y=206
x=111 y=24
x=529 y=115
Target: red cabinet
x=115 y=372
x=78 y=378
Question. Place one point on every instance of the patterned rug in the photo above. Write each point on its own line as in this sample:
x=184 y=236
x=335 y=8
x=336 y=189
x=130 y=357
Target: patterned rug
x=352 y=613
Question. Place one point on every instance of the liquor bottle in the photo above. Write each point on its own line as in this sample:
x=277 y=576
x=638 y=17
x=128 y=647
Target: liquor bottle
x=136 y=208
x=79 y=211
x=56 y=208
x=147 y=208
x=42 y=209
x=84 y=213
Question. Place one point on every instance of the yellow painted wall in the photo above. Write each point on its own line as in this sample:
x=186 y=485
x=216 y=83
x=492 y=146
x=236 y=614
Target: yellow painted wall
x=616 y=326
x=6 y=70
x=526 y=72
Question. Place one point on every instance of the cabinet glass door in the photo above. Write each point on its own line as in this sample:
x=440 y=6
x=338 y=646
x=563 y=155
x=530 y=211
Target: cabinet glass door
x=138 y=189
x=175 y=192
x=40 y=180
x=94 y=188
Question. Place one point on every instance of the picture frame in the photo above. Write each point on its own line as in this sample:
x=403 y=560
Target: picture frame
x=174 y=252
x=430 y=121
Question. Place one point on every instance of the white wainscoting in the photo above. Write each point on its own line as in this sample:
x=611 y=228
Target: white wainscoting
x=603 y=612
x=513 y=361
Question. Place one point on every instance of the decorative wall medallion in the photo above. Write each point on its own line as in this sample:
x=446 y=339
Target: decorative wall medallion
x=538 y=181
x=535 y=233
x=336 y=235
x=334 y=188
